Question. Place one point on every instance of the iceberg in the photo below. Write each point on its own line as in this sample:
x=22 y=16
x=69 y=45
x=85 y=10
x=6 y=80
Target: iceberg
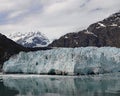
x=66 y=61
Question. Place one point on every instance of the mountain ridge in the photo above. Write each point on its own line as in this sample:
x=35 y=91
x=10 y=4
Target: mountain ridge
x=99 y=34
x=30 y=39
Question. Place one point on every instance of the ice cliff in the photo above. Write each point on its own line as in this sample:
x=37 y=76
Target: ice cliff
x=68 y=61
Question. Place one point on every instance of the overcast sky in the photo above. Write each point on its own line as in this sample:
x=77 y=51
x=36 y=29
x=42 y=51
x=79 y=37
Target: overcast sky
x=53 y=17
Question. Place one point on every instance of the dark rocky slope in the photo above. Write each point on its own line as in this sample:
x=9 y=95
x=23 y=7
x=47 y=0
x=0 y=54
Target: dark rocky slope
x=102 y=33
x=9 y=48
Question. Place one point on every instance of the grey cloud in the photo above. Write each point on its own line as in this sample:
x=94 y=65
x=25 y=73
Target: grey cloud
x=85 y=3
x=53 y=17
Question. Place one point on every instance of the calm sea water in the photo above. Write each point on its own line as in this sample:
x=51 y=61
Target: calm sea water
x=38 y=85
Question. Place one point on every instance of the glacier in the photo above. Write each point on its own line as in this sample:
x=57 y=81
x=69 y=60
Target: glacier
x=66 y=61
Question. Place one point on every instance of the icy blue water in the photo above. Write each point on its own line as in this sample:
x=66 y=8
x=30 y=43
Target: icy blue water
x=38 y=85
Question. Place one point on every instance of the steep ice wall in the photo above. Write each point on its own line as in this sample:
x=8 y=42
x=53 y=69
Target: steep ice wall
x=88 y=60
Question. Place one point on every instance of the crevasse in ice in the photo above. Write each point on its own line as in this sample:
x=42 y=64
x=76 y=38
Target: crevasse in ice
x=71 y=61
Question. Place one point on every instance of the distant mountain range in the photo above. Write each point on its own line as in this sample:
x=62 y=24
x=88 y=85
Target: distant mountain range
x=102 y=33
x=30 y=39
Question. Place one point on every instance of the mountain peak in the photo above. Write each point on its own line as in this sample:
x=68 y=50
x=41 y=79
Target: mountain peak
x=30 y=39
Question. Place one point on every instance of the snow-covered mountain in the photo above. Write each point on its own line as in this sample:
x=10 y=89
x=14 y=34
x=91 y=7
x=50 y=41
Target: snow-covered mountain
x=30 y=39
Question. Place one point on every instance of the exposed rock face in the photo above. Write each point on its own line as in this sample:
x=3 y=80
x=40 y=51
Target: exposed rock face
x=102 y=33
x=9 y=48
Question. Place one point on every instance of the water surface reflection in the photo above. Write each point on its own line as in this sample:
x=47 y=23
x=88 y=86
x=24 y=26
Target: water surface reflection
x=34 y=85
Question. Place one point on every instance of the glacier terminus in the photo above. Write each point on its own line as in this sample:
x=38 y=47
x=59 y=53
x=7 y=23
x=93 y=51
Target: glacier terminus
x=66 y=61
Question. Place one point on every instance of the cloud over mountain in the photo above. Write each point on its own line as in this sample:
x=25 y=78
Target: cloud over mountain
x=53 y=17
